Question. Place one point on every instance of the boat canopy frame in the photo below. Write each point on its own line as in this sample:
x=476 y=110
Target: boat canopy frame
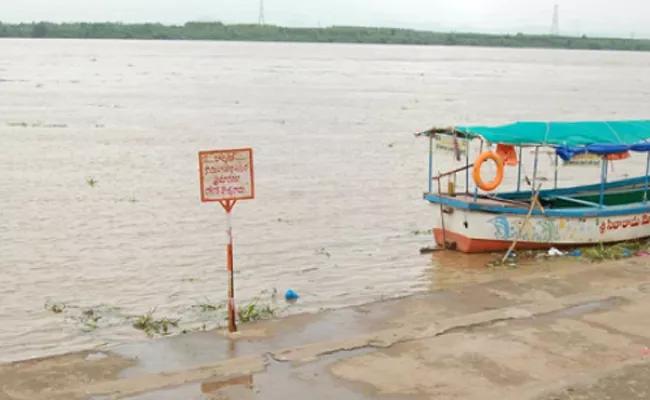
x=567 y=138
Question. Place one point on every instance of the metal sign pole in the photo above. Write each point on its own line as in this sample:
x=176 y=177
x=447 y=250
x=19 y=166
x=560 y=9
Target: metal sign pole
x=227 y=176
x=232 y=322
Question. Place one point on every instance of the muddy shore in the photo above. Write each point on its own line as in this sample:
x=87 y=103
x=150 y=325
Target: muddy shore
x=558 y=333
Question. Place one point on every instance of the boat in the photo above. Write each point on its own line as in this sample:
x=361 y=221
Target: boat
x=483 y=219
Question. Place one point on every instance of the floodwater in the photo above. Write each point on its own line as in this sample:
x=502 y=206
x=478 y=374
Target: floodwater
x=339 y=215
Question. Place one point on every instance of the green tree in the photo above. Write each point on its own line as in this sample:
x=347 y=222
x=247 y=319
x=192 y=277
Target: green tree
x=39 y=30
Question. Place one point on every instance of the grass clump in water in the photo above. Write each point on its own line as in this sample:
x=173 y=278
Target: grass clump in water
x=152 y=326
x=89 y=319
x=254 y=311
x=618 y=251
x=56 y=308
x=91 y=181
x=202 y=328
x=130 y=199
x=209 y=306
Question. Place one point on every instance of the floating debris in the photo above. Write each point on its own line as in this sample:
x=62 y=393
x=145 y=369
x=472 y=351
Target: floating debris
x=291 y=295
x=18 y=124
x=322 y=251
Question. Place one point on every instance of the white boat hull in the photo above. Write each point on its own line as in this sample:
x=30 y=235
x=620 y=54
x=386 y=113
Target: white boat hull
x=475 y=231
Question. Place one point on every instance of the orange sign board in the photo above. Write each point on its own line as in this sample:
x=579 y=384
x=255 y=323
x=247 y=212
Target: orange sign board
x=226 y=175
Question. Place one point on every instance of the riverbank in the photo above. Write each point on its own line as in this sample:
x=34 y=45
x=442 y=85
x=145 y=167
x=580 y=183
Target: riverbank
x=574 y=332
x=334 y=34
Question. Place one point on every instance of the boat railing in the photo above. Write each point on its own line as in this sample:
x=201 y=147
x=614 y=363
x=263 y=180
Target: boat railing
x=452 y=172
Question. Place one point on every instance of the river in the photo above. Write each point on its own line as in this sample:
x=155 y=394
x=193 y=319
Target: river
x=99 y=196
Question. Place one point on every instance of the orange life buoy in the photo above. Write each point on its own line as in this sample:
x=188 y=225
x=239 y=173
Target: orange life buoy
x=490 y=186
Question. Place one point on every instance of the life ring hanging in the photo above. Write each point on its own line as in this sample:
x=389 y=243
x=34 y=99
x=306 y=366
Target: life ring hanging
x=490 y=186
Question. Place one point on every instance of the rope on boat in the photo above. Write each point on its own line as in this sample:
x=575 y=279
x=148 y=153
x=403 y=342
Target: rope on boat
x=533 y=203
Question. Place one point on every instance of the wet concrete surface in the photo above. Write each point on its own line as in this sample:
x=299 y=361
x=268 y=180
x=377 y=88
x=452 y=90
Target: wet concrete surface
x=513 y=338
x=280 y=381
x=185 y=351
x=629 y=383
x=172 y=353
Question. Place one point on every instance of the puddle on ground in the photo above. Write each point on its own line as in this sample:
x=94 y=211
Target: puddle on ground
x=281 y=380
x=200 y=348
x=592 y=306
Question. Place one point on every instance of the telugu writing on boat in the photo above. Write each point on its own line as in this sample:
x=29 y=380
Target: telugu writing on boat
x=630 y=222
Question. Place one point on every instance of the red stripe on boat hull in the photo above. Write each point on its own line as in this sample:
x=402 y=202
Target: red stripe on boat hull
x=471 y=245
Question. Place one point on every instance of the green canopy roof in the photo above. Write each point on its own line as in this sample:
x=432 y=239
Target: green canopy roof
x=563 y=133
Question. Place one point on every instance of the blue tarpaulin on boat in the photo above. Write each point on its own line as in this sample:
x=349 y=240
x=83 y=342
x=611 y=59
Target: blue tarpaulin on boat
x=567 y=153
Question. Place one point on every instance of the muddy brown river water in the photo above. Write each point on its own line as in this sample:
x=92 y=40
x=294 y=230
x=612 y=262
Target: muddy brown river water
x=339 y=215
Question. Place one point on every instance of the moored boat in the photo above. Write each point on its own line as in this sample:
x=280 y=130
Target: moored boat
x=485 y=220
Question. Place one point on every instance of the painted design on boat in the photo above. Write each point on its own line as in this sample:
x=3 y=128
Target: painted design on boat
x=508 y=229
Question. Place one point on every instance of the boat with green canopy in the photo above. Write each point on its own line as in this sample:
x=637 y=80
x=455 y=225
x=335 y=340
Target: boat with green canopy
x=483 y=219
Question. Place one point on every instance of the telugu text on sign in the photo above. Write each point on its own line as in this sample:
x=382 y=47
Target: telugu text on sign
x=226 y=175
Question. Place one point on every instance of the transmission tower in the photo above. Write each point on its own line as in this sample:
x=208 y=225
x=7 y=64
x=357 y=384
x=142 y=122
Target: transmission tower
x=261 y=20
x=555 y=28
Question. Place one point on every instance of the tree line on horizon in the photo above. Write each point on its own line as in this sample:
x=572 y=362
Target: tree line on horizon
x=335 y=34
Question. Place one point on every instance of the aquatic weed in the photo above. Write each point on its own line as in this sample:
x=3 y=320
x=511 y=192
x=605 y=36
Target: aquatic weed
x=202 y=328
x=131 y=199
x=254 y=311
x=602 y=252
x=209 y=306
x=152 y=326
x=91 y=181
x=56 y=308
x=89 y=319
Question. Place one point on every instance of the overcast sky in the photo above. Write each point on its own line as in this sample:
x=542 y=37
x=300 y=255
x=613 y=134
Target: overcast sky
x=604 y=17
